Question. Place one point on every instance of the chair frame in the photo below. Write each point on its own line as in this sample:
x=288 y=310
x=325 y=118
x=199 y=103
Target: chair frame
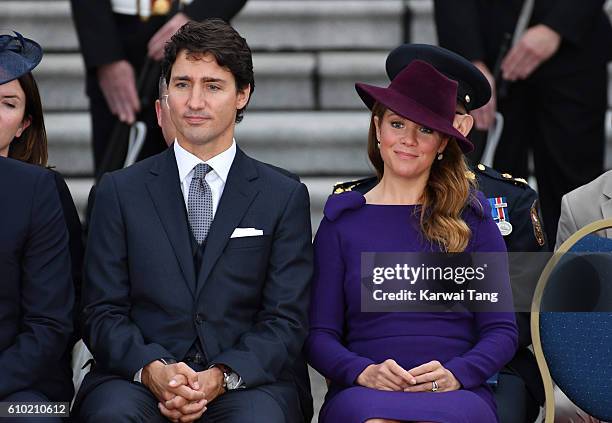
x=549 y=406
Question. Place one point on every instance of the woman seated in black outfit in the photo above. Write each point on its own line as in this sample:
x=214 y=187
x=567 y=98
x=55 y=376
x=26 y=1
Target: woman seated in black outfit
x=37 y=295
x=23 y=136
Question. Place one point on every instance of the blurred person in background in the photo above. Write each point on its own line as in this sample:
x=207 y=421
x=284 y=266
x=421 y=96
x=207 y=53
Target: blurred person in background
x=117 y=38
x=550 y=86
x=162 y=111
x=28 y=143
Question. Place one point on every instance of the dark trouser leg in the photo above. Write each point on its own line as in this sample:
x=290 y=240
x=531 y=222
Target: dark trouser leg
x=275 y=403
x=570 y=152
x=28 y=396
x=511 y=155
x=102 y=120
x=119 y=401
x=514 y=403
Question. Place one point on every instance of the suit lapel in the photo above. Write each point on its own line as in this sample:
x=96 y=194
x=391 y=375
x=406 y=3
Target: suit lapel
x=165 y=191
x=238 y=193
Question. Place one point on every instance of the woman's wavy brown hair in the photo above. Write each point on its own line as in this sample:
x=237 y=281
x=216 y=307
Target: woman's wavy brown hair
x=31 y=146
x=447 y=193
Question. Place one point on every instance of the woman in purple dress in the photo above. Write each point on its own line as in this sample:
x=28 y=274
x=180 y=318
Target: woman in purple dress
x=402 y=366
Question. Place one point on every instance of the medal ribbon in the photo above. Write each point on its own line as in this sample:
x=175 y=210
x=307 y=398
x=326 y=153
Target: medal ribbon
x=498 y=209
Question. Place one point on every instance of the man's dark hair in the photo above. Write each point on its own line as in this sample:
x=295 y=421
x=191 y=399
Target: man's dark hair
x=218 y=38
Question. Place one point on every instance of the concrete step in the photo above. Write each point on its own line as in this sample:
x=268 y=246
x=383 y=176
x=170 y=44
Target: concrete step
x=422 y=26
x=266 y=24
x=307 y=143
x=315 y=24
x=61 y=81
x=283 y=81
x=47 y=22
x=338 y=72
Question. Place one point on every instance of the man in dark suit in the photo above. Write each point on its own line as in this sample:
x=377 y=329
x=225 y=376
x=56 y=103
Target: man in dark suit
x=116 y=36
x=555 y=80
x=37 y=294
x=199 y=262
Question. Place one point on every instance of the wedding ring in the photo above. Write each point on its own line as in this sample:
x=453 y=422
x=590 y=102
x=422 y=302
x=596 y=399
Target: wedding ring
x=434 y=386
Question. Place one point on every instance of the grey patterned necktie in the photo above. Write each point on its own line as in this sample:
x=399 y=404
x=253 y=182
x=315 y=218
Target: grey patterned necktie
x=200 y=203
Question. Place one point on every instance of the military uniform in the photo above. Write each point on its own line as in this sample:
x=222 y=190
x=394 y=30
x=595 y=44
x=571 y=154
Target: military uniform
x=521 y=210
x=562 y=101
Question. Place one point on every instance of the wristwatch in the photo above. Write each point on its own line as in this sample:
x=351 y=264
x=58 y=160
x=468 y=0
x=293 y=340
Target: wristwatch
x=167 y=360
x=231 y=379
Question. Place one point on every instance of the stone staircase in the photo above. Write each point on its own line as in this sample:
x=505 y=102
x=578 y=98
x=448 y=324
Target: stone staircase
x=304 y=116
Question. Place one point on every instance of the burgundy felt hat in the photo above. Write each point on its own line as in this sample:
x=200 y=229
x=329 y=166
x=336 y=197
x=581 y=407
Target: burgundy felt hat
x=423 y=95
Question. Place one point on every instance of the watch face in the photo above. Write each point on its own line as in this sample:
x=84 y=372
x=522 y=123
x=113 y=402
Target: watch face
x=232 y=381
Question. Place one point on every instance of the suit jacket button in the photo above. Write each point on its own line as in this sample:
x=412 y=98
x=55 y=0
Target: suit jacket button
x=198 y=318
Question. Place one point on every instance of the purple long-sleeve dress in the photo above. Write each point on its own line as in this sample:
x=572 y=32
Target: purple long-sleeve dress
x=343 y=340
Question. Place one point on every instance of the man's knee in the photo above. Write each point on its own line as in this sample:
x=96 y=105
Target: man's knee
x=249 y=406
x=110 y=413
x=107 y=413
x=29 y=395
x=119 y=401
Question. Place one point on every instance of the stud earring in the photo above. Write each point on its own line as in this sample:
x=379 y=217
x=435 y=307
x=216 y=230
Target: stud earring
x=440 y=156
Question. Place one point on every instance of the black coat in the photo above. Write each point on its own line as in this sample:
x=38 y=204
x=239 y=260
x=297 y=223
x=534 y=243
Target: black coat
x=37 y=295
x=76 y=247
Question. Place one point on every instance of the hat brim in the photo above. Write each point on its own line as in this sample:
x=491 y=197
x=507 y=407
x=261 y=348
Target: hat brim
x=16 y=63
x=410 y=109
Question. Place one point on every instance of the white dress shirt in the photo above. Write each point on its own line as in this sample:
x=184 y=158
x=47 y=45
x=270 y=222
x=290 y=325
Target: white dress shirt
x=216 y=178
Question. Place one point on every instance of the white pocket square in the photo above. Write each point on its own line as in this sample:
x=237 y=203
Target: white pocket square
x=242 y=232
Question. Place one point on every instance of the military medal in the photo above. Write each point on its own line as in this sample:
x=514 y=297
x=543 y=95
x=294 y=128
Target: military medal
x=505 y=227
x=160 y=7
x=500 y=215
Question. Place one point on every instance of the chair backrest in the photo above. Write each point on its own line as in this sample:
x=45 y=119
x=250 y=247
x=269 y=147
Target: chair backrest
x=571 y=322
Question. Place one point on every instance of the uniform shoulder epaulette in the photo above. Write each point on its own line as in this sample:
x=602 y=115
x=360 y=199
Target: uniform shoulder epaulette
x=506 y=177
x=340 y=187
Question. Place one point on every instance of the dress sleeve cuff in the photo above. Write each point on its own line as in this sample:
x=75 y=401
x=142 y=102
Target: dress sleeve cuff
x=354 y=369
x=457 y=366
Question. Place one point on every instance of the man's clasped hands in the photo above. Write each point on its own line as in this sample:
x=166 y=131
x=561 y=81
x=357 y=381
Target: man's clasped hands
x=182 y=392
